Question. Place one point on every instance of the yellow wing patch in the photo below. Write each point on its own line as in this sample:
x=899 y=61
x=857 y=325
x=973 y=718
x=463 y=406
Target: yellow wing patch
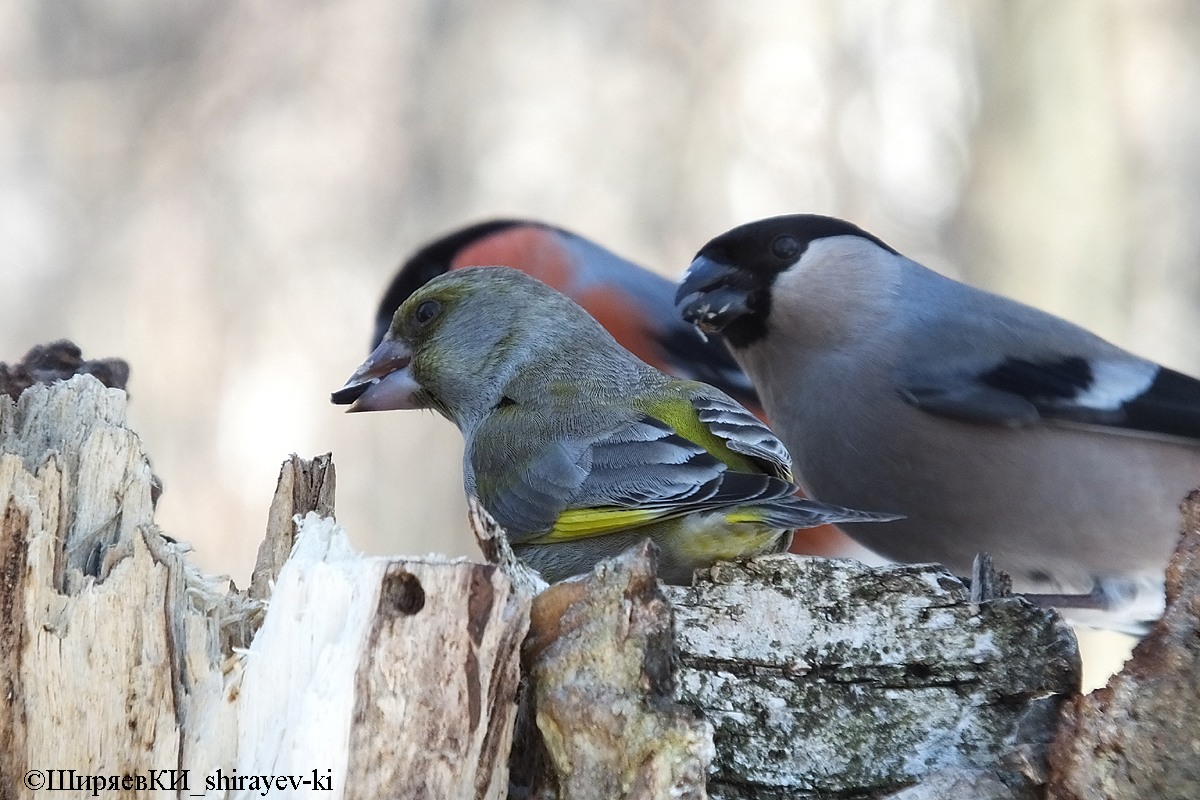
x=581 y=523
x=680 y=414
x=745 y=515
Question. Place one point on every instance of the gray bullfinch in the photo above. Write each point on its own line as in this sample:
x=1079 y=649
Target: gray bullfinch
x=988 y=424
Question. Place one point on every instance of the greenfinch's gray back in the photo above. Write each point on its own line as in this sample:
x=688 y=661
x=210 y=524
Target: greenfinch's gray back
x=577 y=448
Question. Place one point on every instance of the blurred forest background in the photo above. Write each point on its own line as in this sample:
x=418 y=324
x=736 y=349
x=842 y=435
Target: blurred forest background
x=218 y=191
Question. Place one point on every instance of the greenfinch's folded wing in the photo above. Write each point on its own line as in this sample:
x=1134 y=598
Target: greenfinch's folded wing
x=742 y=432
x=726 y=429
x=588 y=485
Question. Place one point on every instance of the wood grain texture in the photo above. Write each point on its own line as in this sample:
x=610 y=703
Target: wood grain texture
x=303 y=486
x=110 y=648
x=436 y=690
x=117 y=656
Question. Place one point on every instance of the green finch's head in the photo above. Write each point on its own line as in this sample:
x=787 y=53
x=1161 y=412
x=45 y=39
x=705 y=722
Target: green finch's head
x=457 y=342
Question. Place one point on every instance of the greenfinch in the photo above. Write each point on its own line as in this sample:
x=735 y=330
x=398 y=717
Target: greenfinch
x=576 y=447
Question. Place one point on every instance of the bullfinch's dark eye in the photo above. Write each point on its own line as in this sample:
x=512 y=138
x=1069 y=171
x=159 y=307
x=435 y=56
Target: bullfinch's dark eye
x=785 y=246
x=426 y=311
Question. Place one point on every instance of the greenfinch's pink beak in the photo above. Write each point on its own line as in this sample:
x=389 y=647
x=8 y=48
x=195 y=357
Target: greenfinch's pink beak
x=383 y=382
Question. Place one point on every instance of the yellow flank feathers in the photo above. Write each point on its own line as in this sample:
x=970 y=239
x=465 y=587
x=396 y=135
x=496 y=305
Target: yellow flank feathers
x=705 y=538
x=581 y=523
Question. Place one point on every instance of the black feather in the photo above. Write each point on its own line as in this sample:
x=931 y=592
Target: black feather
x=1171 y=405
x=1040 y=381
x=1021 y=392
x=749 y=249
x=426 y=264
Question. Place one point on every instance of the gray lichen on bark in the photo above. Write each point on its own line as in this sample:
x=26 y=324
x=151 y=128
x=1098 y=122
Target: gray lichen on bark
x=823 y=676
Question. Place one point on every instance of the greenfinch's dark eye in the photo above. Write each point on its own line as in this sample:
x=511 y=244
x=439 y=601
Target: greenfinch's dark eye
x=426 y=311
x=785 y=246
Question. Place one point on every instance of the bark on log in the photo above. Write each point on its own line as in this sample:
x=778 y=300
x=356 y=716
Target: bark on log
x=825 y=677
x=820 y=677
x=600 y=659
x=1139 y=736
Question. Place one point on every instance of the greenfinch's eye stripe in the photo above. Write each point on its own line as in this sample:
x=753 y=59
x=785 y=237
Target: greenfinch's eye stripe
x=580 y=523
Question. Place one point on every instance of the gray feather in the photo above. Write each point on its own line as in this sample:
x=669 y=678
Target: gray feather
x=971 y=402
x=742 y=431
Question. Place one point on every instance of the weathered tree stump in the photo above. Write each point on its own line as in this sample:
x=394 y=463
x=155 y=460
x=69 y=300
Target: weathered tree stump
x=125 y=668
x=399 y=677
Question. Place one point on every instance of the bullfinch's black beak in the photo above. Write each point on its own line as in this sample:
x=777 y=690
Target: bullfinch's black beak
x=711 y=295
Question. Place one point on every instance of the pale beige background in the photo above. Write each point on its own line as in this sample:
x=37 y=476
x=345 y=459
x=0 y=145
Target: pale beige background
x=217 y=191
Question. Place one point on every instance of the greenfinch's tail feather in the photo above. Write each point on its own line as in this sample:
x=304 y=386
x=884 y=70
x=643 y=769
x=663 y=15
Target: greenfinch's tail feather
x=785 y=512
x=799 y=512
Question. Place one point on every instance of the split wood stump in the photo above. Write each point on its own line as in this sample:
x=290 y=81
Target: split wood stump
x=426 y=678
